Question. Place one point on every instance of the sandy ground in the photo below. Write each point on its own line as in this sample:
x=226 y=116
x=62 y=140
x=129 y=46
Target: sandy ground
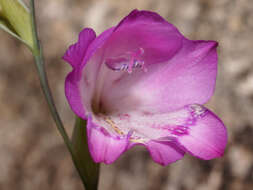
x=32 y=154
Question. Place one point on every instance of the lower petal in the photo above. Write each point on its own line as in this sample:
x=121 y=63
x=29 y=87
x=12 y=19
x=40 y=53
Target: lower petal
x=104 y=147
x=164 y=153
x=193 y=129
x=207 y=139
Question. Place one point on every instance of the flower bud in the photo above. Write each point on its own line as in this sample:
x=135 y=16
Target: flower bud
x=16 y=20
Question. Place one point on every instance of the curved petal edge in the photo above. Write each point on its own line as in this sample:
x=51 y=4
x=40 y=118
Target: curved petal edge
x=207 y=138
x=76 y=52
x=164 y=153
x=102 y=146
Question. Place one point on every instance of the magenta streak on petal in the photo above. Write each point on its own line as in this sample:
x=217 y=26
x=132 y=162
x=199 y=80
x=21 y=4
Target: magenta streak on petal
x=207 y=138
x=192 y=129
x=178 y=130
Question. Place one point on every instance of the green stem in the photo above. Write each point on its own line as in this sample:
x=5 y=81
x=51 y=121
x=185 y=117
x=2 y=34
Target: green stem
x=38 y=56
x=88 y=168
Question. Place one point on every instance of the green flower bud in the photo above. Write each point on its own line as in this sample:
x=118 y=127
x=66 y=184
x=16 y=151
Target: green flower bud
x=15 y=19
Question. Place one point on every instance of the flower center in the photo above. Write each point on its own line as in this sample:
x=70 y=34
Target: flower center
x=127 y=62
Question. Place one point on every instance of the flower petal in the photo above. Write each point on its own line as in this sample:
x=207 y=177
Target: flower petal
x=73 y=94
x=192 y=129
x=146 y=30
x=164 y=153
x=146 y=104
x=188 y=77
x=104 y=147
x=88 y=79
x=76 y=52
x=80 y=83
x=207 y=139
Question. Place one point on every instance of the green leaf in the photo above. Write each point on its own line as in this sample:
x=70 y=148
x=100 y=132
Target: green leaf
x=88 y=168
x=15 y=19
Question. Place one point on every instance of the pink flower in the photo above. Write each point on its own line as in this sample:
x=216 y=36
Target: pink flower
x=142 y=82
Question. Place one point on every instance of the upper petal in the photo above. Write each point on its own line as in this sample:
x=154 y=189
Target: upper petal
x=139 y=31
x=188 y=77
x=145 y=30
x=76 y=52
x=80 y=82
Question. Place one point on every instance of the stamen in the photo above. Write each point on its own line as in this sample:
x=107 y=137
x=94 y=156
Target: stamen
x=127 y=62
x=129 y=68
x=113 y=125
x=197 y=110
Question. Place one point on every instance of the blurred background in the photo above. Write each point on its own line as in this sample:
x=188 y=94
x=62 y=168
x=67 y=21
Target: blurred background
x=32 y=154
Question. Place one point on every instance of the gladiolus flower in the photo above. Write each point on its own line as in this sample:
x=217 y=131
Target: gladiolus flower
x=143 y=83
